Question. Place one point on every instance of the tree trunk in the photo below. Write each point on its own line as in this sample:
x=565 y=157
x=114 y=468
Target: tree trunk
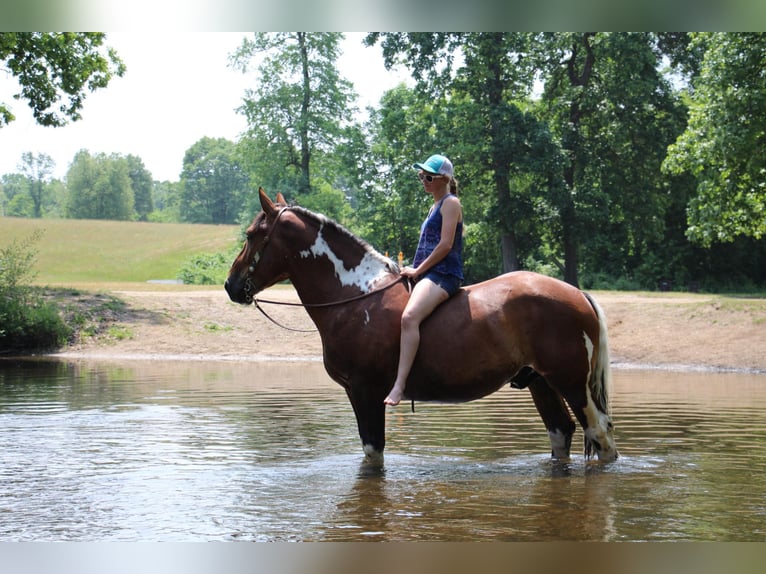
x=579 y=72
x=305 y=181
x=499 y=151
x=571 y=253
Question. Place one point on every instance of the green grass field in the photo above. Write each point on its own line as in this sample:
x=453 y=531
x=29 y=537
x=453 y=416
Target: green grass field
x=75 y=252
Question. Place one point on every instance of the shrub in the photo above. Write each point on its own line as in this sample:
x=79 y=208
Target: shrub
x=27 y=322
x=206 y=269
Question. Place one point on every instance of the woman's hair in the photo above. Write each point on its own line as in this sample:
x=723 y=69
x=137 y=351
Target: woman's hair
x=453 y=186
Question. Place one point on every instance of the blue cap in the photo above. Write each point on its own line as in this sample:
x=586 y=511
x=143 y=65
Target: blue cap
x=436 y=164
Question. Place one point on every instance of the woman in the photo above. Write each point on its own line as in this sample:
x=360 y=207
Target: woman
x=438 y=263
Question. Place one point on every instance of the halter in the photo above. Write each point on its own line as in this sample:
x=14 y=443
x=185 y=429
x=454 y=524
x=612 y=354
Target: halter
x=256 y=301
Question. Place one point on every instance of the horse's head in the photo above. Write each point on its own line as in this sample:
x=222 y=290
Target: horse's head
x=257 y=267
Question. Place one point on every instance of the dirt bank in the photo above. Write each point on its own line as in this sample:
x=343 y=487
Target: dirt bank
x=665 y=330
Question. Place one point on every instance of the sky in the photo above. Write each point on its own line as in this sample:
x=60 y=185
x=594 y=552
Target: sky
x=177 y=89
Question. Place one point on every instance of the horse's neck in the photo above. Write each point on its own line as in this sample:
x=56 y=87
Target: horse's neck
x=316 y=282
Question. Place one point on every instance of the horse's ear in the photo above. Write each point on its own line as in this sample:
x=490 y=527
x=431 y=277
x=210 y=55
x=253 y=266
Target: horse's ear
x=266 y=204
x=281 y=198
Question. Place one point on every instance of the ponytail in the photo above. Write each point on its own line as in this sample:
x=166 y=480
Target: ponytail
x=453 y=186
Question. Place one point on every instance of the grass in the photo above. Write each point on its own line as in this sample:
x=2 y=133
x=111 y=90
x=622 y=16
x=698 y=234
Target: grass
x=77 y=252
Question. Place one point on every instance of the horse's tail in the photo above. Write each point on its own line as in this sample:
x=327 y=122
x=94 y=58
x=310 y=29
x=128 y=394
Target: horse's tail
x=600 y=382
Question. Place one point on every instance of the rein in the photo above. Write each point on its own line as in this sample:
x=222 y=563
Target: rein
x=256 y=302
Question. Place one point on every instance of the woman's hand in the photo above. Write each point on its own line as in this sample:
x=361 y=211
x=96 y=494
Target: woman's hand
x=410 y=272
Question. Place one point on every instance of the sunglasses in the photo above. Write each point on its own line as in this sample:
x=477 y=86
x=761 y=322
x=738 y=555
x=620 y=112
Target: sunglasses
x=428 y=177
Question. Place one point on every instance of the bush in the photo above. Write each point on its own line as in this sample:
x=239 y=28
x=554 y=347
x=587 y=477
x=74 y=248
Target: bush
x=27 y=322
x=206 y=269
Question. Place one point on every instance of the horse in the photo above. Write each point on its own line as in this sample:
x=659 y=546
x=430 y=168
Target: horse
x=521 y=328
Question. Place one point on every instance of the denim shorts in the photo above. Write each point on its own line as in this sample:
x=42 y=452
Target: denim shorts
x=450 y=283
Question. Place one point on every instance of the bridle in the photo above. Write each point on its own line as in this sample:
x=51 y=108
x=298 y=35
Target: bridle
x=249 y=288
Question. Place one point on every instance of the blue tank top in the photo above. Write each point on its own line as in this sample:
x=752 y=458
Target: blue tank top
x=430 y=235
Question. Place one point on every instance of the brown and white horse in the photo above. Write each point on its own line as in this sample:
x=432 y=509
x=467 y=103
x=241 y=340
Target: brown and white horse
x=521 y=328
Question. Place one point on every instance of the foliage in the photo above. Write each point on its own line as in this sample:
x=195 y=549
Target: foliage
x=297 y=113
x=99 y=187
x=141 y=183
x=166 y=202
x=391 y=208
x=56 y=69
x=213 y=182
x=606 y=159
x=27 y=322
x=206 y=268
x=722 y=147
x=37 y=169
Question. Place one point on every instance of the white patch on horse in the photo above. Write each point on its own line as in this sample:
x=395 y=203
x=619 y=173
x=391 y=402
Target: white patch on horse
x=366 y=317
x=256 y=259
x=363 y=275
x=559 y=444
x=371 y=455
x=589 y=348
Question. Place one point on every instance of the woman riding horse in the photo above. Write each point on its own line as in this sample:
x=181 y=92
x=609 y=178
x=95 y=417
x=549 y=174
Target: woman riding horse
x=516 y=326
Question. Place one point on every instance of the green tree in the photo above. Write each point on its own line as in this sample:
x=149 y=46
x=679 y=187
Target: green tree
x=213 y=182
x=16 y=191
x=614 y=114
x=141 y=182
x=299 y=111
x=99 y=187
x=27 y=321
x=166 y=199
x=722 y=147
x=54 y=70
x=37 y=169
x=391 y=202
x=494 y=143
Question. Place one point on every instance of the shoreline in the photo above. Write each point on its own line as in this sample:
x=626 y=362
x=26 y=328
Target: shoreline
x=206 y=358
x=647 y=331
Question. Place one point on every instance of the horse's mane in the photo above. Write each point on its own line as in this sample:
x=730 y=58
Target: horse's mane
x=324 y=221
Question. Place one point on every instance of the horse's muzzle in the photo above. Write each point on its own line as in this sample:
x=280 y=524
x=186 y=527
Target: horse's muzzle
x=238 y=291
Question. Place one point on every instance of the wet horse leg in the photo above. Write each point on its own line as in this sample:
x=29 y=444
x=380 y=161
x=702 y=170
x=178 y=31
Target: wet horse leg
x=596 y=424
x=370 y=414
x=555 y=415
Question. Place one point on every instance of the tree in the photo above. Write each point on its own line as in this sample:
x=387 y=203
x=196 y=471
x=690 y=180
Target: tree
x=56 y=69
x=213 y=182
x=299 y=108
x=99 y=187
x=165 y=199
x=16 y=191
x=391 y=203
x=607 y=103
x=37 y=169
x=141 y=182
x=486 y=132
x=722 y=147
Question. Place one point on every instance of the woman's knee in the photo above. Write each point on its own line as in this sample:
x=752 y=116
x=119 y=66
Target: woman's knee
x=410 y=320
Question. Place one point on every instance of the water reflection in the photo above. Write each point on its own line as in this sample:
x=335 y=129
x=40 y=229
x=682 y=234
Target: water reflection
x=253 y=451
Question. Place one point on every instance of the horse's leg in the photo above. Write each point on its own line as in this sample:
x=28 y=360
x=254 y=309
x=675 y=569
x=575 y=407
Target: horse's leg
x=370 y=414
x=554 y=413
x=590 y=413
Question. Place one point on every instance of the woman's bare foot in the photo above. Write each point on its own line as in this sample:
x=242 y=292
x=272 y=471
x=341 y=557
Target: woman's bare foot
x=394 y=397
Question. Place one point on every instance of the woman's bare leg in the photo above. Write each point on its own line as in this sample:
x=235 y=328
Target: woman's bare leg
x=425 y=297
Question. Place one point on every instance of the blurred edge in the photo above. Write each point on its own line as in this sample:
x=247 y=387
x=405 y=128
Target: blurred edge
x=374 y=558
x=394 y=15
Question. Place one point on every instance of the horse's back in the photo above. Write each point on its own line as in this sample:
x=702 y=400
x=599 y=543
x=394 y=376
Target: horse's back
x=485 y=333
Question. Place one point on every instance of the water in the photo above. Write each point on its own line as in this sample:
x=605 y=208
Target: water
x=166 y=451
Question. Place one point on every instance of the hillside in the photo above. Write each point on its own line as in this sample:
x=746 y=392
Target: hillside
x=96 y=251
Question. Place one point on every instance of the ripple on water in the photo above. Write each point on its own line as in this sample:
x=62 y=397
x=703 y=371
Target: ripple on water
x=232 y=452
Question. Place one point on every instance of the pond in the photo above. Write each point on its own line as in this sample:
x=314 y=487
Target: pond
x=269 y=451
